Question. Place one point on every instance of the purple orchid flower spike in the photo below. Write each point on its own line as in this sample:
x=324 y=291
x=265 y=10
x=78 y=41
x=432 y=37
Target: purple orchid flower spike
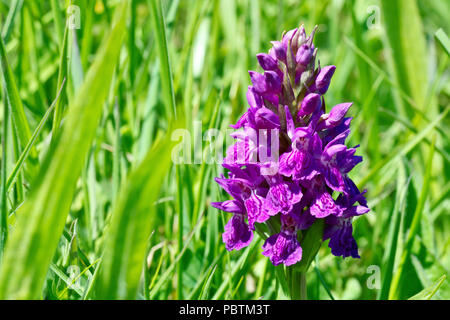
x=307 y=183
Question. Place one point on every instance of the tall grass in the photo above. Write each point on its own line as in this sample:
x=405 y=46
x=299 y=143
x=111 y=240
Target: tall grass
x=92 y=205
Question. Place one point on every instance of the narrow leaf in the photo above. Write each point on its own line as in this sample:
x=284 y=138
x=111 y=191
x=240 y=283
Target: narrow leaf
x=41 y=220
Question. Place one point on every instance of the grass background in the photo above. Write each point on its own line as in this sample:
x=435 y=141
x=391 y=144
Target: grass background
x=91 y=205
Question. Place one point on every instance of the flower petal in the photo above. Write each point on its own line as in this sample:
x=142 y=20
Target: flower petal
x=324 y=205
x=267 y=62
x=282 y=248
x=237 y=233
x=233 y=206
x=310 y=103
x=257 y=210
x=323 y=79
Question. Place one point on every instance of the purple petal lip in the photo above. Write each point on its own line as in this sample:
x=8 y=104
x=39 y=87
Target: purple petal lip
x=282 y=248
x=237 y=233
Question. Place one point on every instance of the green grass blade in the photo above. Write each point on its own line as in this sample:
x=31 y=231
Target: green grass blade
x=13 y=175
x=41 y=219
x=166 y=275
x=62 y=275
x=180 y=209
x=204 y=169
x=406 y=39
x=428 y=293
x=3 y=189
x=71 y=283
x=414 y=141
x=418 y=109
x=411 y=127
x=164 y=59
x=235 y=269
x=414 y=228
x=442 y=37
x=15 y=8
x=17 y=111
x=87 y=40
x=131 y=226
x=323 y=283
x=196 y=291
x=205 y=288
x=62 y=76
x=59 y=24
x=391 y=250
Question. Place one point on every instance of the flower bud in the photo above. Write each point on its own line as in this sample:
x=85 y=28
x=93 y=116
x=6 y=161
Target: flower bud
x=323 y=79
x=309 y=104
x=267 y=62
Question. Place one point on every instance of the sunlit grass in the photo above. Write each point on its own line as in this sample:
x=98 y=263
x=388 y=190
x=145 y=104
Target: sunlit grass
x=91 y=204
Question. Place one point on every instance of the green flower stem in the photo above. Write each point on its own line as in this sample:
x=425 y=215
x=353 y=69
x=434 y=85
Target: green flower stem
x=297 y=284
x=303 y=294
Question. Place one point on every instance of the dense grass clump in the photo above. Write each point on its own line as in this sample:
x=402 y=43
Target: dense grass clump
x=92 y=203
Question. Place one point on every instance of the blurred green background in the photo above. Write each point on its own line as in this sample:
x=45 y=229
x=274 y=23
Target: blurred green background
x=94 y=208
